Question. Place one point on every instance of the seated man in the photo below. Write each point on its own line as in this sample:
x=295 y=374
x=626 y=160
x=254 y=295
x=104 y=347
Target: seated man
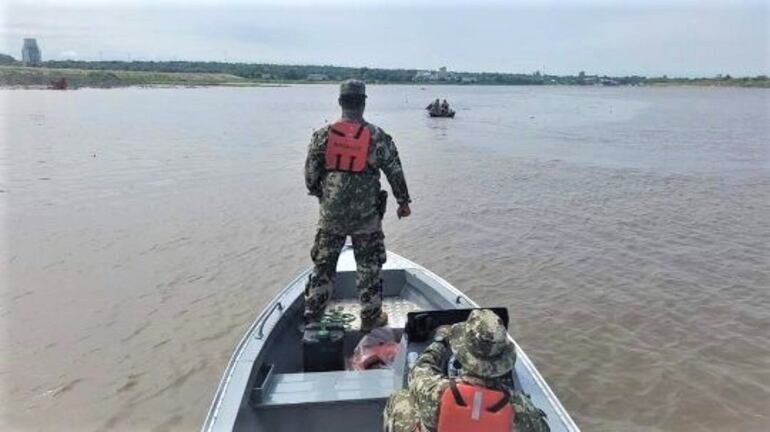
x=444 y=107
x=434 y=106
x=482 y=398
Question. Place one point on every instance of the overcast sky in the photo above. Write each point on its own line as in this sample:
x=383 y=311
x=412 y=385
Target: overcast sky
x=674 y=37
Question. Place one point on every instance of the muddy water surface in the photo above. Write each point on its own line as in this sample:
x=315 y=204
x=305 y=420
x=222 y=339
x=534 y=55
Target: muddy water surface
x=626 y=229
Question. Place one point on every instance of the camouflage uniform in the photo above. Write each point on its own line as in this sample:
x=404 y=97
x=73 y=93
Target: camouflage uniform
x=487 y=361
x=350 y=205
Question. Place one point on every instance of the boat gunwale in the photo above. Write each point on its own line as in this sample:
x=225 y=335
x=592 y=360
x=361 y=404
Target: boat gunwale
x=216 y=404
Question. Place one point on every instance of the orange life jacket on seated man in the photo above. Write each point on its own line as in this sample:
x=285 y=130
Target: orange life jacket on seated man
x=468 y=408
x=347 y=146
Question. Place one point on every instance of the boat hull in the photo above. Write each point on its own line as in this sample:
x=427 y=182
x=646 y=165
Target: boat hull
x=251 y=397
x=449 y=115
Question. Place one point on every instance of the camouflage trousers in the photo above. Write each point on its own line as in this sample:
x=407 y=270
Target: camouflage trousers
x=400 y=414
x=369 y=250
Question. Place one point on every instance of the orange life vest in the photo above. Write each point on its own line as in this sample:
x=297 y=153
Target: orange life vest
x=347 y=146
x=467 y=408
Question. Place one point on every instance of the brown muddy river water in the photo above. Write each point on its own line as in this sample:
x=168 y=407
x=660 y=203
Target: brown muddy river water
x=626 y=229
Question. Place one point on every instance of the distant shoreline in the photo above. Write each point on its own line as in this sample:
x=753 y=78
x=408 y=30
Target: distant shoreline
x=21 y=77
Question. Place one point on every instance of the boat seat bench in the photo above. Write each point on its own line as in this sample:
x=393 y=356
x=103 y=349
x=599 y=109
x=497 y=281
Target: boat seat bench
x=323 y=387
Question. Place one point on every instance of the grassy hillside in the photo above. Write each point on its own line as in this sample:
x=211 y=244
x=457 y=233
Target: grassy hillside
x=755 y=82
x=16 y=76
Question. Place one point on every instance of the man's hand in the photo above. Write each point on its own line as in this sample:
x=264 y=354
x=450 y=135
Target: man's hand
x=403 y=210
x=443 y=331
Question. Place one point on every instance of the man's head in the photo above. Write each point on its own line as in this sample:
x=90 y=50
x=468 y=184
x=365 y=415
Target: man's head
x=482 y=346
x=352 y=95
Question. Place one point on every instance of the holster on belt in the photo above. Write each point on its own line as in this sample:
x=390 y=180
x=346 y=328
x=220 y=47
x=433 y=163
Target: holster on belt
x=382 y=203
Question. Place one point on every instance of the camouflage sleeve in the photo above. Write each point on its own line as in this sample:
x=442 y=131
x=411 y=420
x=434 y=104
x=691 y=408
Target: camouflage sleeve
x=314 y=164
x=528 y=417
x=390 y=164
x=427 y=383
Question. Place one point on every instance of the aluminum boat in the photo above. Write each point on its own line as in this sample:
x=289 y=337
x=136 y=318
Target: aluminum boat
x=265 y=388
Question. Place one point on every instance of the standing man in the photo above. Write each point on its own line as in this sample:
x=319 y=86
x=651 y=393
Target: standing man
x=343 y=170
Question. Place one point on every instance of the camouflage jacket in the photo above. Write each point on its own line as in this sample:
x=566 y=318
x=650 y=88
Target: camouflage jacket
x=349 y=201
x=427 y=383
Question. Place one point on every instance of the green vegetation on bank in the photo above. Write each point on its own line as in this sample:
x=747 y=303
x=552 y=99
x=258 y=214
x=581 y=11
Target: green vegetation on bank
x=119 y=73
x=312 y=73
x=5 y=59
x=760 y=81
x=261 y=72
x=18 y=76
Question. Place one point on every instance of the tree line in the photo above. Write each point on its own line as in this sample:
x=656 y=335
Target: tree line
x=293 y=73
x=278 y=72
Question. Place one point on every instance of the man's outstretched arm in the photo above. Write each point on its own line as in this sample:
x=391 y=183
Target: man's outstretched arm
x=314 y=164
x=427 y=381
x=390 y=164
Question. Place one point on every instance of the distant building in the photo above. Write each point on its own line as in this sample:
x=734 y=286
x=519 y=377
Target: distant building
x=316 y=77
x=440 y=75
x=30 y=53
x=423 y=76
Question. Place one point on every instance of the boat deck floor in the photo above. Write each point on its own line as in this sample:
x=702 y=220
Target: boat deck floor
x=316 y=401
x=395 y=307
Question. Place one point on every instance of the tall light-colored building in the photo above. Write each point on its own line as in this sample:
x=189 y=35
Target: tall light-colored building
x=30 y=53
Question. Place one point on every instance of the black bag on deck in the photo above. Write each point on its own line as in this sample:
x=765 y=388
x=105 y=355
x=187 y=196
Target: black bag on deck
x=323 y=347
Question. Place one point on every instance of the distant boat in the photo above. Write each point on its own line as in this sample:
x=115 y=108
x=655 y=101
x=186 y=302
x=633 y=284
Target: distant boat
x=270 y=385
x=449 y=114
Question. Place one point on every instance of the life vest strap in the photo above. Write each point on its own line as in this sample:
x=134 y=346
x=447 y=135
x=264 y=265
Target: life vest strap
x=360 y=130
x=456 y=393
x=502 y=403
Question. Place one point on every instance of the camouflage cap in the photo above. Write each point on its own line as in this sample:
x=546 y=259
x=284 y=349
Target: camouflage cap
x=352 y=87
x=482 y=346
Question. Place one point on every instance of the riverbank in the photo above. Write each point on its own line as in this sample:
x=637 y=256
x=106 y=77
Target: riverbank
x=711 y=82
x=45 y=77
x=29 y=77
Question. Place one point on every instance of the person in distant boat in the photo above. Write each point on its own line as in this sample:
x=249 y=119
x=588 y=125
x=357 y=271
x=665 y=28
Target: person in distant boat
x=342 y=169
x=444 y=107
x=434 y=106
x=481 y=398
